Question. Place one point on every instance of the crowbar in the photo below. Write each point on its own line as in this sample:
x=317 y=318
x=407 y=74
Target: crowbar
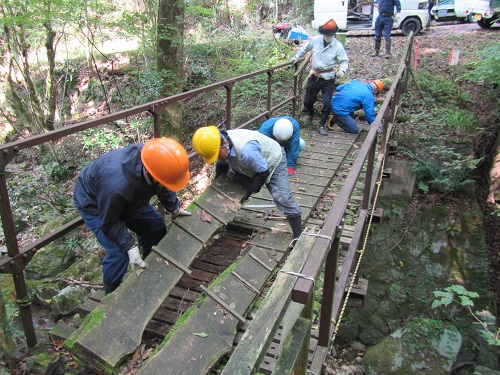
x=259 y=206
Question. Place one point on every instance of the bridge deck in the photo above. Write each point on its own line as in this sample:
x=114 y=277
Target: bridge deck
x=209 y=329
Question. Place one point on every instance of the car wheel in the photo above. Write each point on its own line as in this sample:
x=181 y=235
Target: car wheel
x=470 y=18
x=485 y=23
x=411 y=24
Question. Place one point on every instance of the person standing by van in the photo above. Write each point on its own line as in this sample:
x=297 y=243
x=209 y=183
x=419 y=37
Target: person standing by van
x=383 y=24
x=327 y=53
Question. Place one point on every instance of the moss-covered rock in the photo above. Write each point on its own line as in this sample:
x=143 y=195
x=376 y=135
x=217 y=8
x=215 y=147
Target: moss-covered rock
x=423 y=347
x=68 y=299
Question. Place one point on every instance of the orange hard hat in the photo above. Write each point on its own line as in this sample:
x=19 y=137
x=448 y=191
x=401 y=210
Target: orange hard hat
x=329 y=27
x=206 y=142
x=379 y=84
x=167 y=162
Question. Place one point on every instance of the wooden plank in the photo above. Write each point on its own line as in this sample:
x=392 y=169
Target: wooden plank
x=249 y=353
x=97 y=295
x=86 y=307
x=61 y=331
x=115 y=327
x=199 y=352
x=215 y=329
x=183 y=294
x=294 y=342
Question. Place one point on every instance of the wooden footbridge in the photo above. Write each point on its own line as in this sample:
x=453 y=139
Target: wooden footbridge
x=249 y=308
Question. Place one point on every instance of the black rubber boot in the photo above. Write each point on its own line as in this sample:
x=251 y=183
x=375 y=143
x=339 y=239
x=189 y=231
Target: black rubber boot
x=388 y=53
x=109 y=288
x=377 y=48
x=295 y=222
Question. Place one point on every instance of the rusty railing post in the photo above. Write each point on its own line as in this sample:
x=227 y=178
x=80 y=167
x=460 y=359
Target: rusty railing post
x=325 y=318
x=269 y=90
x=13 y=250
x=229 y=100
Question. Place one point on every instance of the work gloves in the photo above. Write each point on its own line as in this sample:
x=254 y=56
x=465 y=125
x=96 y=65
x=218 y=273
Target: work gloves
x=291 y=171
x=293 y=59
x=258 y=181
x=181 y=212
x=135 y=258
x=339 y=74
x=396 y=16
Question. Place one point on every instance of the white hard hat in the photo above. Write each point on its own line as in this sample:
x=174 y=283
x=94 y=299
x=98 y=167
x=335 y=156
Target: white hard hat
x=283 y=130
x=302 y=144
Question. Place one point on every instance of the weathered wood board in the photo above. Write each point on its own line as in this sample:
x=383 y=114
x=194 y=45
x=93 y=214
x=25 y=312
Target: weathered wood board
x=208 y=332
x=253 y=344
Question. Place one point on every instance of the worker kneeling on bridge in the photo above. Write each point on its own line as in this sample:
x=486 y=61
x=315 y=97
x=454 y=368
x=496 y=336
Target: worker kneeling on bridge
x=352 y=96
x=253 y=159
x=286 y=131
x=112 y=195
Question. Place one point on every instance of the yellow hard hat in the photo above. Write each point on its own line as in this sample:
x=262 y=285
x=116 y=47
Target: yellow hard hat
x=167 y=162
x=206 y=142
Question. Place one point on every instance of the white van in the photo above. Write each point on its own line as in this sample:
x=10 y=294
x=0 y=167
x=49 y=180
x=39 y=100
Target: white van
x=357 y=15
x=454 y=10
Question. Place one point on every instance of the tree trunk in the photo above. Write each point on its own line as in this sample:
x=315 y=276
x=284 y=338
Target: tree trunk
x=170 y=56
x=494 y=189
x=50 y=89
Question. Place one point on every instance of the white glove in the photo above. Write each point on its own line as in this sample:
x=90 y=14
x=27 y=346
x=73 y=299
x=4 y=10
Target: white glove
x=396 y=16
x=135 y=258
x=293 y=59
x=181 y=212
x=340 y=74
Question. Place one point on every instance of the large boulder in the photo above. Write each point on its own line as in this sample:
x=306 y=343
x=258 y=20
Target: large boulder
x=422 y=346
x=68 y=299
x=49 y=262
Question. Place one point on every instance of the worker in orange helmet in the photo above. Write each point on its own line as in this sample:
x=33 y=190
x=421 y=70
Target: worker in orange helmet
x=352 y=96
x=113 y=193
x=329 y=63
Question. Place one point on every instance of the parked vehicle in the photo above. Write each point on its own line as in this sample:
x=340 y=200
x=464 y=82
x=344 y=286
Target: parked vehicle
x=454 y=10
x=486 y=12
x=358 y=15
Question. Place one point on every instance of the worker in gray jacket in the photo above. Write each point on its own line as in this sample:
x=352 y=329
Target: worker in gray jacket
x=253 y=159
x=329 y=62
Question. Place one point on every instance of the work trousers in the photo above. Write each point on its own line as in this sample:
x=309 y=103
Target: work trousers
x=383 y=27
x=278 y=186
x=314 y=86
x=347 y=123
x=149 y=227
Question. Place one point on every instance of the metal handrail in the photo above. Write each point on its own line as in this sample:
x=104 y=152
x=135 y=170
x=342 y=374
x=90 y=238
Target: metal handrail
x=17 y=259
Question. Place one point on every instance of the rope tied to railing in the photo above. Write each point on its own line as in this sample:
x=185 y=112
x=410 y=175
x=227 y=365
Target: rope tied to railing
x=361 y=252
x=25 y=301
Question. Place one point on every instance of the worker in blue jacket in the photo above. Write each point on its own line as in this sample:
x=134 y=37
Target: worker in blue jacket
x=112 y=195
x=286 y=131
x=352 y=96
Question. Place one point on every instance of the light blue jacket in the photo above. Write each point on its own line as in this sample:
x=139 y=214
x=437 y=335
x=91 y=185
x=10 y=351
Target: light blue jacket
x=352 y=96
x=292 y=148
